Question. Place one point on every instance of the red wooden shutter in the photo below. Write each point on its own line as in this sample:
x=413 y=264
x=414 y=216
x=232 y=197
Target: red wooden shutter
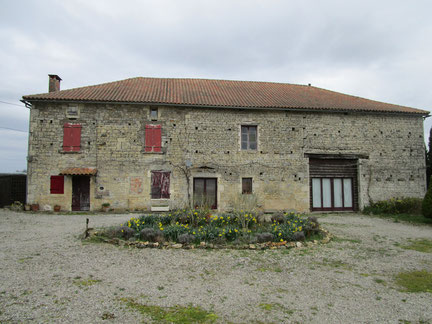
x=153 y=138
x=165 y=184
x=157 y=138
x=71 y=137
x=57 y=185
x=148 y=138
x=156 y=184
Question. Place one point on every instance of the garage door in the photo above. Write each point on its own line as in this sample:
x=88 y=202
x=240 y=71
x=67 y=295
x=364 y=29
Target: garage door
x=333 y=184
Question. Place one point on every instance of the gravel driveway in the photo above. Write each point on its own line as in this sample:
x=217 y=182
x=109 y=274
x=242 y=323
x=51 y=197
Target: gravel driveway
x=48 y=275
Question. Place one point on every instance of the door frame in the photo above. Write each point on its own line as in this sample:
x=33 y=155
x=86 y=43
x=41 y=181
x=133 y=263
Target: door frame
x=332 y=196
x=74 y=180
x=215 y=206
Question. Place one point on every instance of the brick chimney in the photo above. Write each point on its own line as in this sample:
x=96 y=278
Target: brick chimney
x=54 y=83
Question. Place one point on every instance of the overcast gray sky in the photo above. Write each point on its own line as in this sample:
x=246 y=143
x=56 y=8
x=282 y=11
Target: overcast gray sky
x=379 y=50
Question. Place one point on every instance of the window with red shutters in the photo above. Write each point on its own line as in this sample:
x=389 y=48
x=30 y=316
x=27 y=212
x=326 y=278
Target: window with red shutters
x=153 y=138
x=71 y=137
x=57 y=185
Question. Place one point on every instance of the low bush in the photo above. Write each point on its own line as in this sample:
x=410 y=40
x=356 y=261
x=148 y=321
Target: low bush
x=427 y=203
x=395 y=206
x=195 y=226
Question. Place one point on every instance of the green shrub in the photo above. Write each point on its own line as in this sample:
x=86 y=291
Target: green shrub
x=427 y=203
x=395 y=206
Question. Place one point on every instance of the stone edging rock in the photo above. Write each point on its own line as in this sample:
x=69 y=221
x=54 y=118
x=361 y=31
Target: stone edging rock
x=203 y=245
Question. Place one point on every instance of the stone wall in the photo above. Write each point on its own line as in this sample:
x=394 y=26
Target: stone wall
x=209 y=139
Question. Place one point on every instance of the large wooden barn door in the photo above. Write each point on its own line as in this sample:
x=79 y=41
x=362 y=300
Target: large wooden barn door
x=333 y=184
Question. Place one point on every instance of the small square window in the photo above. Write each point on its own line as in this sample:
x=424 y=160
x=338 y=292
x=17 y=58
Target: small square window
x=246 y=186
x=153 y=114
x=249 y=137
x=72 y=112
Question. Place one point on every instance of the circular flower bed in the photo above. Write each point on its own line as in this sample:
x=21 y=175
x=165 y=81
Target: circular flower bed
x=197 y=227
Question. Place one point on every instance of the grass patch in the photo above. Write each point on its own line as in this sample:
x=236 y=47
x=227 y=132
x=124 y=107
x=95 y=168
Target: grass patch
x=267 y=307
x=86 y=282
x=275 y=269
x=176 y=314
x=95 y=239
x=380 y=281
x=275 y=306
x=415 y=281
x=335 y=264
x=421 y=245
x=341 y=240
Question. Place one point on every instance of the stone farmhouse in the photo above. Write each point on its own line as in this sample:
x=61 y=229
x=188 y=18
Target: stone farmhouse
x=154 y=144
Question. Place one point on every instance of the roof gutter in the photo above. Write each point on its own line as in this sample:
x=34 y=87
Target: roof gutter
x=425 y=114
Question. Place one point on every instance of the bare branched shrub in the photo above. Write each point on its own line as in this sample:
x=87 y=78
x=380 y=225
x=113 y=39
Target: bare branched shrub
x=245 y=207
x=247 y=203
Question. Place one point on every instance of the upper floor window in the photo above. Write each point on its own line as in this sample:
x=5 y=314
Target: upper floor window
x=71 y=137
x=72 y=112
x=153 y=138
x=153 y=114
x=160 y=183
x=249 y=137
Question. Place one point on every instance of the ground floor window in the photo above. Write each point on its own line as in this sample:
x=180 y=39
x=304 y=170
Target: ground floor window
x=205 y=192
x=160 y=183
x=332 y=194
x=246 y=186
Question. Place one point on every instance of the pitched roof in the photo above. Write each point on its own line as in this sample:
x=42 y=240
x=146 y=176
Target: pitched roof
x=220 y=93
x=79 y=171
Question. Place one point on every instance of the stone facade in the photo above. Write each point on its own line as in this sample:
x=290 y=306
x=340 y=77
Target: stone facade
x=205 y=142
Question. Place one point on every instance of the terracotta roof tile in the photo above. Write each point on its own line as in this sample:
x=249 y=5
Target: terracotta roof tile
x=79 y=171
x=221 y=93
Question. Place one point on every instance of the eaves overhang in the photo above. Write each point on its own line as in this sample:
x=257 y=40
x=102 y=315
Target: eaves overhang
x=417 y=112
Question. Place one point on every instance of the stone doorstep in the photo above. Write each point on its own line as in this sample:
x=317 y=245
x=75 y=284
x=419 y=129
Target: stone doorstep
x=160 y=208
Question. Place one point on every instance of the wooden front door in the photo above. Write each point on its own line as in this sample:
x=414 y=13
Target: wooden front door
x=80 y=193
x=205 y=192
